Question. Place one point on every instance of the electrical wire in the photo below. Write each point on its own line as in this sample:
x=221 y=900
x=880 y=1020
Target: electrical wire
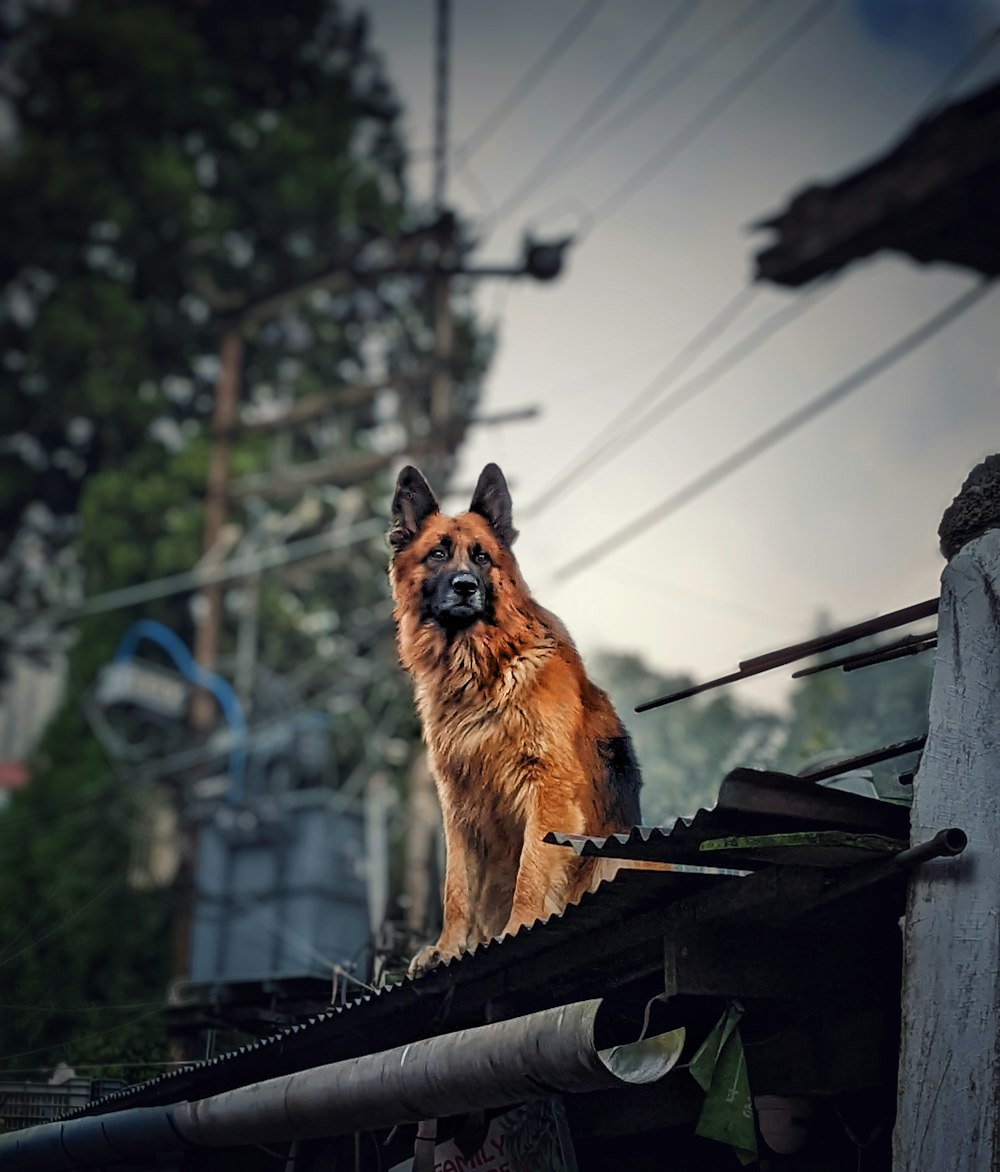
x=713 y=109
x=83 y=1008
x=86 y=856
x=682 y=360
x=666 y=84
x=532 y=76
x=268 y=558
x=604 y=446
x=609 y=446
x=729 y=607
x=622 y=80
x=86 y=1038
x=17 y=822
x=101 y=893
x=945 y=88
x=704 y=380
x=781 y=430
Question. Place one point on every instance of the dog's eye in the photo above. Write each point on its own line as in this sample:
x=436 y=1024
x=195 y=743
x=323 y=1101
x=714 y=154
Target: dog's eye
x=481 y=557
x=437 y=554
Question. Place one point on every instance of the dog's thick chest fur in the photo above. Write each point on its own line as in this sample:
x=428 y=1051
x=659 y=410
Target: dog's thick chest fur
x=519 y=740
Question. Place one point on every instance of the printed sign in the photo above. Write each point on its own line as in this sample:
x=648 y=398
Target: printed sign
x=531 y=1138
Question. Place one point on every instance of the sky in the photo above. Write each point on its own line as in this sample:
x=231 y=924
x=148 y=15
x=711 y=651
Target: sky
x=840 y=519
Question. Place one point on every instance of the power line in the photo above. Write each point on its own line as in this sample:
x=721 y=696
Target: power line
x=714 y=109
x=624 y=78
x=85 y=857
x=768 y=439
x=531 y=77
x=688 y=354
x=614 y=444
x=668 y=82
x=944 y=89
x=729 y=607
x=17 y=821
x=66 y=1044
x=604 y=447
x=101 y=893
x=84 y=1008
x=268 y=558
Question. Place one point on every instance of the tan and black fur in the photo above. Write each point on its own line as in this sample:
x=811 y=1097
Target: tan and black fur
x=520 y=742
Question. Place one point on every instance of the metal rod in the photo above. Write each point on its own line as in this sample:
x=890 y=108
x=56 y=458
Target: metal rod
x=887 y=622
x=945 y=844
x=909 y=645
x=871 y=758
x=886 y=656
x=785 y=655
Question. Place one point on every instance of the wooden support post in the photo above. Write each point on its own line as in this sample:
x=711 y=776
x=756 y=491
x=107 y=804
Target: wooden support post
x=224 y=416
x=206 y=638
x=949 y=1068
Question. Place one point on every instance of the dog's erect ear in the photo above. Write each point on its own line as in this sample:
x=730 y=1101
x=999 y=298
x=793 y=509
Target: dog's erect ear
x=412 y=504
x=492 y=501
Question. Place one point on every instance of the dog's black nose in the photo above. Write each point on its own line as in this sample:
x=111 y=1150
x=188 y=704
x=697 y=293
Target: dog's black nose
x=465 y=585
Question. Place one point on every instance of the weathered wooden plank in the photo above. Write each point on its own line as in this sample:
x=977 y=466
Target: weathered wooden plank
x=949 y=1096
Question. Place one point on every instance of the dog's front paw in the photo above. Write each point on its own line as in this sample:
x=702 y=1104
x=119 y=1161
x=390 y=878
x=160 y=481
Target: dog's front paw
x=429 y=958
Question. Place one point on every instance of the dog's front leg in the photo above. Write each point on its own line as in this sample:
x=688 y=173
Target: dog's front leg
x=454 y=936
x=544 y=873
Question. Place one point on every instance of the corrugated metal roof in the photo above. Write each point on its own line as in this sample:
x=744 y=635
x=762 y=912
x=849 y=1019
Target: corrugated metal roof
x=610 y=937
x=755 y=804
x=566 y=958
x=807 y=848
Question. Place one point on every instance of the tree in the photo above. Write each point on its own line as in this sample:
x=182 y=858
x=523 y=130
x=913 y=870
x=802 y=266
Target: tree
x=684 y=750
x=172 y=163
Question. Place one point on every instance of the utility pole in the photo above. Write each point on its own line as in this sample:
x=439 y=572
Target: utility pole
x=422 y=810
x=208 y=615
x=208 y=621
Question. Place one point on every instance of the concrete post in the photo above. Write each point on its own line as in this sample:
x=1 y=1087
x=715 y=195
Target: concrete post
x=948 y=1115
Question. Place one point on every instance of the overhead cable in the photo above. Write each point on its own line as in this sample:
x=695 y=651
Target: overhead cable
x=86 y=1037
x=535 y=73
x=689 y=353
x=269 y=558
x=713 y=109
x=596 y=108
x=667 y=83
x=615 y=440
x=945 y=88
x=781 y=430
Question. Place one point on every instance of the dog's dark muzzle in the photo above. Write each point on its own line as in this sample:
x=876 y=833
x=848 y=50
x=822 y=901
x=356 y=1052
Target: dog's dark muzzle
x=461 y=597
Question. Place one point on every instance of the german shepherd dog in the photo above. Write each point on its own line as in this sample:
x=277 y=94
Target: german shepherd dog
x=520 y=742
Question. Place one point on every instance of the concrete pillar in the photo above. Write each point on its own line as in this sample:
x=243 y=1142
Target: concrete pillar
x=948 y=1117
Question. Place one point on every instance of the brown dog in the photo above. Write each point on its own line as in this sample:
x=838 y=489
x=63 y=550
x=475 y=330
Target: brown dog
x=520 y=741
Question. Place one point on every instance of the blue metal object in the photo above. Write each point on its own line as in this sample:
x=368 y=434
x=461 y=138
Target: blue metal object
x=281 y=889
x=171 y=643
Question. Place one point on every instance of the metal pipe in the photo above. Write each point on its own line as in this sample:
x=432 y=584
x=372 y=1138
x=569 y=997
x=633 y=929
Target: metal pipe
x=945 y=844
x=556 y=1050
x=487 y=1066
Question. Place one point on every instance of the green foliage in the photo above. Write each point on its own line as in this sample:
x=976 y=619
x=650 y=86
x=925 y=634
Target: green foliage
x=174 y=160
x=687 y=748
x=75 y=938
